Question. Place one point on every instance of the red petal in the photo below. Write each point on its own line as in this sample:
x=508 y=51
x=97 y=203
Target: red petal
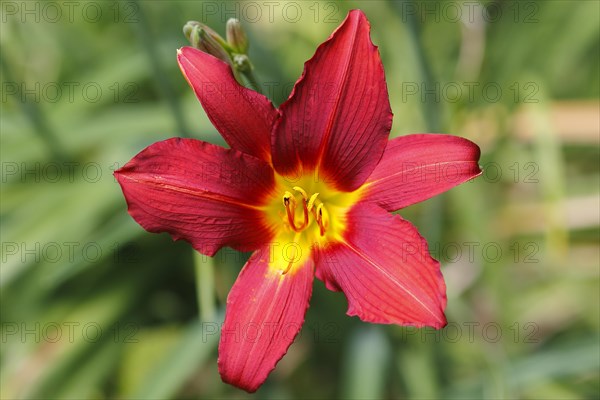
x=199 y=192
x=417 y=167
x=338 y=116
x=242 y=116
x=265 y=311
x=385 y=270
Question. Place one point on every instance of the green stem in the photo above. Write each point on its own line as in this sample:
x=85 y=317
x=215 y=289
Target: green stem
x=244 y=71
x=205 y=279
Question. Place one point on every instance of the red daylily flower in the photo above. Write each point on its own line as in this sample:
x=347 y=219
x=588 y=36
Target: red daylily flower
x=309 y=187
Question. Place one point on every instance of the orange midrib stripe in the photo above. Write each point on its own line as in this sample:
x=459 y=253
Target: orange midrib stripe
x=196 y=193
x=334 y=111
x=390 y=276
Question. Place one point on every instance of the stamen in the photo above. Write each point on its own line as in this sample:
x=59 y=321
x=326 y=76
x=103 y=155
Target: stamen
x=287 y=269
x=312 y=200
x=290 y=207
x=293 y=258
x=305 y=210
x=289 y=202
x=289 y=199
x=322 y=218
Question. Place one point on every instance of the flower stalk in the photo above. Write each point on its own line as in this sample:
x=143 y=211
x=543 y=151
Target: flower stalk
x=205 y=280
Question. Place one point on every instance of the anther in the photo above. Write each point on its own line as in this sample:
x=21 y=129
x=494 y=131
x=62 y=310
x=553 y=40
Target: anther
x=312 y=200
x=287 y=198
x=301 y=191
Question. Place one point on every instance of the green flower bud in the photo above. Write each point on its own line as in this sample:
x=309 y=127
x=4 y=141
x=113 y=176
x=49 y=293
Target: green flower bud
x=233 y=51
x=190 y=30
x=211 y=46
x=204 y=38
x=236 y=37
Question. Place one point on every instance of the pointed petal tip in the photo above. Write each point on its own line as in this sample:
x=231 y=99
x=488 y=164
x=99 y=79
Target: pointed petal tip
x=404 y=174
x=181 y=53
x=189 y=51
x=250 y=388
x=173 y=186
x=121 y=171
x=405 y=284
x=359 y=15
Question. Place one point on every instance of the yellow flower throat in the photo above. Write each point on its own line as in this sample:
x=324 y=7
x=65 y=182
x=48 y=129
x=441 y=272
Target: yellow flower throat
x=304 y=213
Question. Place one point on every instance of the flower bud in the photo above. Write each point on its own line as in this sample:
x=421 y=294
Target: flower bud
x=205 y=39
x=211 y=46
x=236 y=37
x=190 y=30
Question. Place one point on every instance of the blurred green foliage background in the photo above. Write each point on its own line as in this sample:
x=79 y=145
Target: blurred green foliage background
x=92 y=306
